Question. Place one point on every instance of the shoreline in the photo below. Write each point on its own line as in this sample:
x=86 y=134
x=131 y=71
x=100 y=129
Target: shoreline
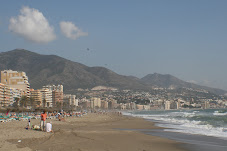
x=190 y=142
x=94 y=132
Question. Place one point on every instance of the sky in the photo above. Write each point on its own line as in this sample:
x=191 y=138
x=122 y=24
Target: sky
x=184 y=38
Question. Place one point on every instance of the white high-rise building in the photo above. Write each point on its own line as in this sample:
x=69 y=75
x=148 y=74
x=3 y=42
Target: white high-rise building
x=167 y=105
x=57 y=94
x=70 y=100
x=95 y=102
x=47 y=96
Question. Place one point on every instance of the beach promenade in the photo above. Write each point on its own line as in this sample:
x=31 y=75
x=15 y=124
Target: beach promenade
x=92 y=132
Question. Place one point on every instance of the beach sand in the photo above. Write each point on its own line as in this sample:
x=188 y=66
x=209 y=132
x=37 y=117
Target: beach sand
x=92 y=132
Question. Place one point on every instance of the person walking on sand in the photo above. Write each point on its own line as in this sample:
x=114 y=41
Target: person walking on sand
x=43 y=120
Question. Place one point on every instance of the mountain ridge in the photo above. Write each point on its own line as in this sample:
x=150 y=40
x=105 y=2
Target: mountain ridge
x=167 y=80
x=52 y=69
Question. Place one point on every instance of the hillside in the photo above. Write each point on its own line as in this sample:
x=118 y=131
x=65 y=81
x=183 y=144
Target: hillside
x=52 y=69
x=167 y=81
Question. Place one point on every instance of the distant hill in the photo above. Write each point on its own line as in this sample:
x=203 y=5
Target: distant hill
x=168 y=81
x=51 y=69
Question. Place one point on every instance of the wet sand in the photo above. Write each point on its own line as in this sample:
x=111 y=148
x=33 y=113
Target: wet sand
x=192 y=141
x=92 y=132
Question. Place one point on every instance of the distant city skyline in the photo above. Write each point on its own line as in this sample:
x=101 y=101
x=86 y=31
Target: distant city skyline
x=186 y=39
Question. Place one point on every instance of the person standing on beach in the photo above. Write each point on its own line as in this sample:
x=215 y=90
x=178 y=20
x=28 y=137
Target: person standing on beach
x=29 y=123
x=43 y=120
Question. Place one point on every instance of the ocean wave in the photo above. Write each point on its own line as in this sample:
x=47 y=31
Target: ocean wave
x=206 y=130
x=218 y=113
x=193 y=122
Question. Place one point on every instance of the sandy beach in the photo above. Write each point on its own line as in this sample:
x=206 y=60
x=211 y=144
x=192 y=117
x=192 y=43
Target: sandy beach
x=92 y=132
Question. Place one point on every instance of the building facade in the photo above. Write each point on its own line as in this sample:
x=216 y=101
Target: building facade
x=15 y=93
x=4 y=95
x=57 y=98
x=57 y=94
x=69 y=101
x=95 y=103
x=16 y=79
x=37 y=96
x=104 y=104
x=167 y=105
x=47 y=96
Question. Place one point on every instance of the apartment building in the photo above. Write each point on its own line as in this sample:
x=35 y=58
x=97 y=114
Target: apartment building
x=167 y=105
x=104 y=104
x=57 y=93
x=16 y=79
x=57 y=97
x=112 y=104
x=205 y=105
x=47 y=96
x=69 y=100
x=85 y=104
x=4 y=95
x=37 y=96
x=95 y=102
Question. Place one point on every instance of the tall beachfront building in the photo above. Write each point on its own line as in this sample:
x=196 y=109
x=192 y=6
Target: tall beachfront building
x=16 y=79
x=69 y=101
x=95 y=102
x=167 y=105
x=57 y=94
x=47 y=96
x=37 y=96
x=4 y=95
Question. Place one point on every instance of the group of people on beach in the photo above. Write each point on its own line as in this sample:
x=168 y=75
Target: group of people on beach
x=43 y=125
x=47 y=127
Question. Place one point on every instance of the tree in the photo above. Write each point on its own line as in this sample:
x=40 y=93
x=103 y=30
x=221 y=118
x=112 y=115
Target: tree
x=23 y=101
x=59 y=105
x=44 y=102
x=38 y=103
x=16 y=102
x=72 y=107
x=32 y=102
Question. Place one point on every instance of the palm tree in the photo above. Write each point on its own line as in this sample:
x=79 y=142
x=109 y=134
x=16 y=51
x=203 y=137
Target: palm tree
x=59 y=105
x=72 y=108
x=16 y=102
x=44 y=102
x=23 y=101
x=32 y=102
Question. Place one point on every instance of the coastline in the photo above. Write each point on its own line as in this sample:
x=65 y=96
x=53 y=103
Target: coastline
x=94 y=132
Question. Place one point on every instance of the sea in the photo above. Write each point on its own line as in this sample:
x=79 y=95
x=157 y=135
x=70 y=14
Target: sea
x=198 y=129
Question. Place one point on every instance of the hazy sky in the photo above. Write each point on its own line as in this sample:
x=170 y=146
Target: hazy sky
x=185 y=38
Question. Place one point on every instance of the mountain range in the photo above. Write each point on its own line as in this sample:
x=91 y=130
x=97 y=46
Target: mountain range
x=51 y=69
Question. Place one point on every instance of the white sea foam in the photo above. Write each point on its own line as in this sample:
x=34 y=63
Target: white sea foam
x=207 y=130
x=219 y=114
x=179 y=122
